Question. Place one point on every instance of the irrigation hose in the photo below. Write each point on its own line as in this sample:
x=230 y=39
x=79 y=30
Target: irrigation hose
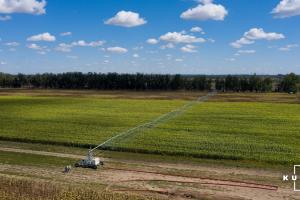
x=232 y=183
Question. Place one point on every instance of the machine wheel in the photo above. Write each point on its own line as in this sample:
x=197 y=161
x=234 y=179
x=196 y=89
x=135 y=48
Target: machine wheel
x=94 y=167
x=76 y=165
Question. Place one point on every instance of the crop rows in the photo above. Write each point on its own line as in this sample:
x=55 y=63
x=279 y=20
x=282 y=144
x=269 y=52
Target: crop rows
x=255 y=131
x=238 y=131
x=63 y=120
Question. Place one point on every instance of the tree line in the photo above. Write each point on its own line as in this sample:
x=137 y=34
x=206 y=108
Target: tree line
x=114 y=81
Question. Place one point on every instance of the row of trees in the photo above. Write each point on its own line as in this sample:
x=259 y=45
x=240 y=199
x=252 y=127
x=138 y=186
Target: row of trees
x=114 y=81
x=252 y=84
x=110 y=81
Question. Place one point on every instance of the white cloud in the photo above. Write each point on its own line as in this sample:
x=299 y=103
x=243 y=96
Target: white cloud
x=152 y=41
x=66 y=33
x=23 y=6
x=239 y=43
x=72 y=57
x=119 y=50
x=256 y=34
x=5 y=18
x=126 y=19
x=63 y=47
x=3 y=63
x=42 y=50
x=260 y=34
x=47 y=37
x=178 y=59
x=168 y=46
x=246 y=51
x=197 y=29
x=135 y=55
x=211 y=40
x=34 y=46
x=188 y=49
x=176 y=37
x=288 y=47
x=12 y=44
x=205 y=11
x=82 y=43
x=287 y=8
x=230 y=59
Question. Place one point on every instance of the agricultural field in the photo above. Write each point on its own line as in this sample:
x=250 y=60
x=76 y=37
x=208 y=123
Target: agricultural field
x=266 y=132
x=247 y=127
x=222 y=139
x=72 y=120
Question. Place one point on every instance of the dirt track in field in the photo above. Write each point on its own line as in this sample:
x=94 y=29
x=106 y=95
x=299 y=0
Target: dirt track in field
x=161 y=178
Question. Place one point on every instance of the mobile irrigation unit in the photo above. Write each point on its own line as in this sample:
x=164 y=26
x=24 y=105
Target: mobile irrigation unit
x=90 y=161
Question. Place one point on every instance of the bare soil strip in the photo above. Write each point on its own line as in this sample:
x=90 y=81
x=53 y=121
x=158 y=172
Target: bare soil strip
x=171 y=186
x=138 y=178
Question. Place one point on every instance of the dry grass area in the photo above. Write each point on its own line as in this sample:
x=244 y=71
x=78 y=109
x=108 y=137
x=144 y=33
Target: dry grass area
x=106 y=94
x=29 y=189
x=256 y=97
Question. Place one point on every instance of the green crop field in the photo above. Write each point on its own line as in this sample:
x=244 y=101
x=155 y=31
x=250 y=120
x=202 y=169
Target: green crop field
x=217 y=129
x=268 y=132
x=75 y=120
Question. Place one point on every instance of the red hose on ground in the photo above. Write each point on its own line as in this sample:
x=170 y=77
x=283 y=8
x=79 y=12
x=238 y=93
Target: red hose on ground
x=247 y=184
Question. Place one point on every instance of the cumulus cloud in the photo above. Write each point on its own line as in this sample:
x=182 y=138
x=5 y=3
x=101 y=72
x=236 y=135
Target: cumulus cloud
x=175 y=37
x=66 y=34
x=42 y=50
x=72 y=57
x=288 y=47
x=178 y=59
x=5 y=18
x=63 y=47
x=12 y=44
x=260 y=34
x=189 y=48
x=230 y=59
x=239 y=43
x=246 y=51
x=119 y=50
x=168 y=46
x=287 y=8
x=197 y=29
x=35 y=7
x=256 y=34
x=34 y=46
x=82 y=43
x=47 y=37
x=135 y=55
x=205 y=11
x=152 y=41
x=126 y=19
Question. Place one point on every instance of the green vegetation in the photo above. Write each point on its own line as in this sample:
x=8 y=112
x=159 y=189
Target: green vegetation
x=77 y=121
x=225 y=128
x=33 y=160
x=263 y=132
x=150 y=82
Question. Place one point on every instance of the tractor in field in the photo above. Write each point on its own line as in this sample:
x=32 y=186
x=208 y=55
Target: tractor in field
x=90 y=161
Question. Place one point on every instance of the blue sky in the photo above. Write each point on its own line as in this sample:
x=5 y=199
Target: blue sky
x=228 y=36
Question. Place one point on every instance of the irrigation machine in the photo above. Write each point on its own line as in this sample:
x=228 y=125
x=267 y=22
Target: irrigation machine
x=90 y=161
